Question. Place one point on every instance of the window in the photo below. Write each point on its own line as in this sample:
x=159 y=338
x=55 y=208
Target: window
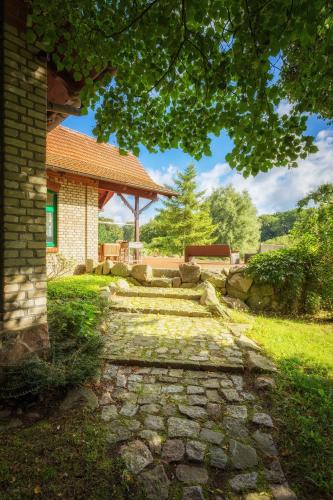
x=51 y=219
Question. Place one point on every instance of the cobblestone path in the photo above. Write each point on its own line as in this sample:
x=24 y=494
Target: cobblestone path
x=186 y=413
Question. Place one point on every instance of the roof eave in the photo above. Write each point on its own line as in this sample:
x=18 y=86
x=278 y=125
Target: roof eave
x=163 y=192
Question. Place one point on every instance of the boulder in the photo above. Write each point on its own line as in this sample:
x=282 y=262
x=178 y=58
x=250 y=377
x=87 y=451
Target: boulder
x=176 y=282
x=261 y=296
x=264 y=382
x=98 y=269
x=107 y=267
x=208 y=297
x=236 y=269
x=238 y=285
x=216 y=279
x=122 y=284
x=190 y=272
x=166 y=273
x=161 y=282
x=80 y=397
x=233 y=303
x=89 y=266
x=257 y=362
x=142 y=272
x=113 y=289
x=225 y=271
x=120 y=269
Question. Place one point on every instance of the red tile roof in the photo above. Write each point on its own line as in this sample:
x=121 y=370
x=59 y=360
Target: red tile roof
x=68 y=150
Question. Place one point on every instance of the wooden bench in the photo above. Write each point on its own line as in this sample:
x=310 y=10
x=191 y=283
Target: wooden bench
x=207 y=251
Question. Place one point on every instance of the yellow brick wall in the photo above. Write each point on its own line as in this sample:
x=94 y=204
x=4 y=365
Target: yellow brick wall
x=22 y=195
x=77 y=223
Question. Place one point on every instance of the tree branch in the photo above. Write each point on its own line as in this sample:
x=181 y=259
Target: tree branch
x=134 y=21
x=172 y=62
x=178 y=51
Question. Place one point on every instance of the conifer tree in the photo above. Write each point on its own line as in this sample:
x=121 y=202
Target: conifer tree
x=185 y=219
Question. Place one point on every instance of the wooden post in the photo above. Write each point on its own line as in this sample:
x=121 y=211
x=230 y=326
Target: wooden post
x=137 y=226
x=136 y=211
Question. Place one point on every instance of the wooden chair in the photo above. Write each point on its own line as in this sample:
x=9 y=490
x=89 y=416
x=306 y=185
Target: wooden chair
x=110 y=251
x=124 y=250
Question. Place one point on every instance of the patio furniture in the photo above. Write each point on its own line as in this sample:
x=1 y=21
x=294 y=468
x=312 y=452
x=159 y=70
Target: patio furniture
x=207 y=251
x=124 y=250
x=109 y=251
x=135 y=252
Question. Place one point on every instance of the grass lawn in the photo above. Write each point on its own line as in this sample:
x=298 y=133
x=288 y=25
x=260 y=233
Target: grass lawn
x=63 y=457
x=82 y=286
x=66 y=456
x=302 y=403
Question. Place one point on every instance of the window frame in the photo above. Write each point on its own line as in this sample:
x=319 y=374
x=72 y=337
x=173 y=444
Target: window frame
x=53 y=209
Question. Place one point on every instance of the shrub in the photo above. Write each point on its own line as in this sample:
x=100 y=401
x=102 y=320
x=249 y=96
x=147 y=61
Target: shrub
x=303 y=273
x=84 y=287
x=59 y=266
x=290 y=272
x=74 y=310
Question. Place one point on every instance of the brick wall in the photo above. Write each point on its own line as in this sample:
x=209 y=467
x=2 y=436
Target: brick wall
x=77 y=223
x=23 y=194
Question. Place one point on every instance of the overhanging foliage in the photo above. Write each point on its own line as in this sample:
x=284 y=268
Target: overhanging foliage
x=190 y=68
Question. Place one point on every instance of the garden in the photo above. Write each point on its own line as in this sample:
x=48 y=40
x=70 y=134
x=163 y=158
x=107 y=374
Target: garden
x=218 y=385
x=301 y=403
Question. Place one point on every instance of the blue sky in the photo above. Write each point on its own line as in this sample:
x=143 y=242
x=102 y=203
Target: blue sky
x=277 y=190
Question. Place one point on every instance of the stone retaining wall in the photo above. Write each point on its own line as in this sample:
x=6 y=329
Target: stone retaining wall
x=236 y=289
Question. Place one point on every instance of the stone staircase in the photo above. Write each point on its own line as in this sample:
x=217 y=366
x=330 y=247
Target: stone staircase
x=175 y=302
x=169 y=327
x=180 y=412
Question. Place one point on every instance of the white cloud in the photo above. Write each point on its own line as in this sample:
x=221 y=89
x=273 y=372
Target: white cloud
x=120 y=213
x=117 y=210
x=284 y=108
x=280 y=188
x=211 y=179
x=163 y=176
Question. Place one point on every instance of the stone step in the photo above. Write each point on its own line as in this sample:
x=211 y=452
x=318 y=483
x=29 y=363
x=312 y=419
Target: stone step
x=160 y=305
x=168 y=293
x=181 y=342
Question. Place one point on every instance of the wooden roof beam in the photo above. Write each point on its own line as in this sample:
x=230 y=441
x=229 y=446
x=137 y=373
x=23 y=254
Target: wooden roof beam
x=121 y=188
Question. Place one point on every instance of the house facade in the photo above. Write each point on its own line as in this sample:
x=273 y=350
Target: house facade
x=82 y=176
x=59 y=197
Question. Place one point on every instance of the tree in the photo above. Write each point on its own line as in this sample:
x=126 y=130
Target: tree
x=109 y=233
x=278 y=224
x=235 y=217
x=185 y=219
x=128 y=231
x=313 y=231
x=150 y=230
x=186 y=69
